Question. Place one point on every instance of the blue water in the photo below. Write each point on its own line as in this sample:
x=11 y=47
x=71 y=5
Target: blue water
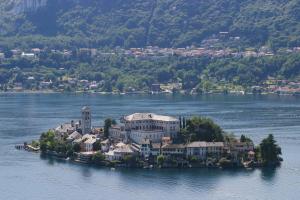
x=25 y=175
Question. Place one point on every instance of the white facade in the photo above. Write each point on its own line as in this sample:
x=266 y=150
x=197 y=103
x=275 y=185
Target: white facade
x=146 y=148
x=155 y=149
x=202 y=149
x=88 y=143
x=117 y=132
x=173 y=149
x=119 y=151
x=105 y=145
x=139 y=135
x=197 y=149
x=215 y=149
x=86 y=120
x=141 y=126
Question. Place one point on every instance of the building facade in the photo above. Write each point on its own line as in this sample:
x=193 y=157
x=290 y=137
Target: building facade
x=87 y=142
x=140 y=126
x=197 y=149
x=242 y=147
x=202 y=150
x=173 y=150
x=119 y=151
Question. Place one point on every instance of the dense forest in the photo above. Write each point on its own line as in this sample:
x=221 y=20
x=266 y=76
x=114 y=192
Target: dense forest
x=137 y=23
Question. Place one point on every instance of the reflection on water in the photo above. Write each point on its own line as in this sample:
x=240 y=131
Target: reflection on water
x=269 y=173
x=165 y=176
x=26 y=175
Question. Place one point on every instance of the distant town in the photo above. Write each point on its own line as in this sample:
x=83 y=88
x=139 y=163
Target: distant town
x=149 y=140
x=64 y=82
x=216 y=46
x=72 y=84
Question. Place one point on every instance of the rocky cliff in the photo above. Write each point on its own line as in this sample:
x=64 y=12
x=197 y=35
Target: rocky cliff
x=20 y=6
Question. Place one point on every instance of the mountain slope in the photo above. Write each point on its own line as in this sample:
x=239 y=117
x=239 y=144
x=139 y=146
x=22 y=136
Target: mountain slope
x=136 y=23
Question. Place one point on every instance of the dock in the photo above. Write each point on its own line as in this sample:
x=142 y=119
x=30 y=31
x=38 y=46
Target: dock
x=27 y=147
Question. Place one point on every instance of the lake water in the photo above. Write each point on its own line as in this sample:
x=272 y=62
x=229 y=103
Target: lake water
x=25 y=175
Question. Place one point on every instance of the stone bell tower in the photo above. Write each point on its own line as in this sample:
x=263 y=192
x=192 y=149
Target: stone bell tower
x=86 y=124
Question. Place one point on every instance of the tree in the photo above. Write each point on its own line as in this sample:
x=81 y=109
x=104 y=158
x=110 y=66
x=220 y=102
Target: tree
x=113 y=122
x=76 y=147
x=204 y=129
x=230 y=137
x=107 y=124
x=97 y=145
x=180 y=122
x=183 y=122
x=160 y=160
x=120 y=86
x=164 y=75
x=183 y=136
x=43 y=147
x=98 y=158
x=7 y=52
x=245 y=139
x=70 y=150
x=60 y=147
x=269 y=151
x=193 y=159
x=131 y=160
x=47 y=141
x=107 y=86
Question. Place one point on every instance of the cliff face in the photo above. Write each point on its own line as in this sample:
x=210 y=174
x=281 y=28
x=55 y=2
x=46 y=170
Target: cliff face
x=20 y=6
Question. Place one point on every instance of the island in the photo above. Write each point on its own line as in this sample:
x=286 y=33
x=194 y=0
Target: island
x=149 y=140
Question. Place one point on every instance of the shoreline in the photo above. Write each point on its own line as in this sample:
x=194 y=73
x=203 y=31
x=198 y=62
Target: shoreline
x=149 y=93
x=154 y=167
x=121 y=165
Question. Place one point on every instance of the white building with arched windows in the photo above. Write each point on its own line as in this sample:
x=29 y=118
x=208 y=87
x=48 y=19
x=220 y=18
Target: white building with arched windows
x=140 y=126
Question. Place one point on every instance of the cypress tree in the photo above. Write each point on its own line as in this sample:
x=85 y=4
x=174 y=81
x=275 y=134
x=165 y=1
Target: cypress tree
x=180 y=122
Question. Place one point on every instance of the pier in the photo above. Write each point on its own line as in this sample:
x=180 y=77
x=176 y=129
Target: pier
x=27 y=147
